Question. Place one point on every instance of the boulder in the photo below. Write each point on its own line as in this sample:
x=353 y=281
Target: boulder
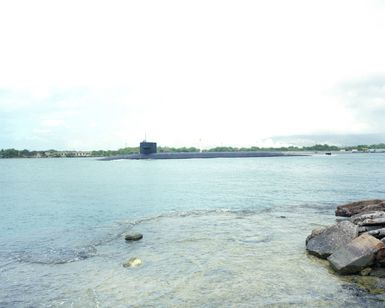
x=359 y=218
x=357 y=255
x=362 y=229
x=379 y=233
x=133 y=237
x=133 y=262
x=373 y=222
x=314 y=233
x=380 y=256
x=350 y=209
x=323 y=242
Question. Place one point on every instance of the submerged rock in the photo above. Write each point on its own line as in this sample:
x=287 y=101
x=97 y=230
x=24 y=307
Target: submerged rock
x=350 y=209
x=133 y=262
x=371 y=285
x=323 y=242
x=378 y=272
x=366 y=271
x=133 y=237
x=357 y=255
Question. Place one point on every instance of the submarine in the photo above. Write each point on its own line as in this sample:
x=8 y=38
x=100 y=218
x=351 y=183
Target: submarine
x=148 y=150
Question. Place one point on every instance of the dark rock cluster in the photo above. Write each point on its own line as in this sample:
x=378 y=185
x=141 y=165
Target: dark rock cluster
x=356 y=244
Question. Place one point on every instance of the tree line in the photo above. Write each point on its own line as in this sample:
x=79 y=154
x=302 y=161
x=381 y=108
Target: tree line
x=13 y=153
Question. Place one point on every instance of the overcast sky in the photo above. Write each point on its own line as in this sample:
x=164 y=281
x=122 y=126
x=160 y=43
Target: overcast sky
x=101 y=74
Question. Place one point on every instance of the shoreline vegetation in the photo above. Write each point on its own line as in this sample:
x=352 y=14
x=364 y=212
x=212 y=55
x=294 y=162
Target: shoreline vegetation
x=14 y=153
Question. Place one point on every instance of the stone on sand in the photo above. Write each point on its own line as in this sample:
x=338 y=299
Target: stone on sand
x=133 y=262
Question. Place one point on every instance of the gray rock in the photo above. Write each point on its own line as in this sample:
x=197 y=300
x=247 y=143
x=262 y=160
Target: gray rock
x=314 y=233
x=133 y=262
x=323 y=242
x=350 y=209
x=362 y=229
x=359 y=218
x=373 y=222
x=357 y=255
x=133 y=237
x=379 y=233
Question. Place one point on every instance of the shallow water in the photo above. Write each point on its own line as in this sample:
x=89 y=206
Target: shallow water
x=217 y=232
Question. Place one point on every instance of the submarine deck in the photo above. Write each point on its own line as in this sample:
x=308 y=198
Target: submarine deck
x=190 y=155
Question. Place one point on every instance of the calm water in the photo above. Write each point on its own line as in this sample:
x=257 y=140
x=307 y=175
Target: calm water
x=217 y=232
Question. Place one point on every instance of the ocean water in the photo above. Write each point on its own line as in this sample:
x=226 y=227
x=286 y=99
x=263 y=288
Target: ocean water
x=217 y=232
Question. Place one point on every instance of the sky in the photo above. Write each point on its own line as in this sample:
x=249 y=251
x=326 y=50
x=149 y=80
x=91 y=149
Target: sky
x=82 y=75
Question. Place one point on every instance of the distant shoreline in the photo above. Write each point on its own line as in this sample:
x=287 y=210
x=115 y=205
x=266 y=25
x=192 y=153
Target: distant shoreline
x=316 y=149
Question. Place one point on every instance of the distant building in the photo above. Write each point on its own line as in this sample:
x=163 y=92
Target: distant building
x=148 y=148
x=50 y=154
x=83 y=154
x=67 y=154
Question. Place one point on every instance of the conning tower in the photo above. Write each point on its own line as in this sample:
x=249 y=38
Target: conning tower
x=148 y=148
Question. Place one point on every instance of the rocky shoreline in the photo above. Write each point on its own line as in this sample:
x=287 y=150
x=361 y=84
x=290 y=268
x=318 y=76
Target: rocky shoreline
x=355 y=244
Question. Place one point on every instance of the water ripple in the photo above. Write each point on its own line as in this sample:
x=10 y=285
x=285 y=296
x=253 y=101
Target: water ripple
x=55 y=255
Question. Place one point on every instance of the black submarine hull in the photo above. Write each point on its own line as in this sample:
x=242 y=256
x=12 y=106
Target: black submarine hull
x=191 y=155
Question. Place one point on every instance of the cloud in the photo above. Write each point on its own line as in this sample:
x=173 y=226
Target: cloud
x=365 y=99
x=39 y=131
x=217 y=71
x=53 y=123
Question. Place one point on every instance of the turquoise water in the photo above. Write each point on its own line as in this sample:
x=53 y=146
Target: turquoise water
x=217 y=232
